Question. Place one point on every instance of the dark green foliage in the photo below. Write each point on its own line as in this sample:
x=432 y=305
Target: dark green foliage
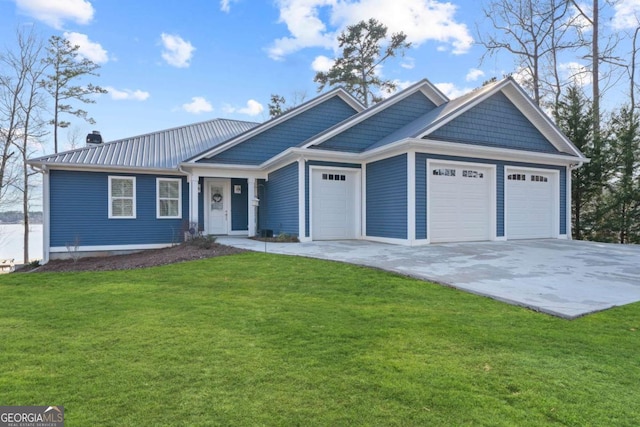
x=66 y=67
x=621 y=195
x=276 y=105
x=362 y=53
x=575 y=118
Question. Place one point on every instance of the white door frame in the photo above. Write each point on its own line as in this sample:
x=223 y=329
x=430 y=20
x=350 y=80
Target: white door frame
x=226 y=202
x=357 y=197
x=555 y=188
x=493 y=211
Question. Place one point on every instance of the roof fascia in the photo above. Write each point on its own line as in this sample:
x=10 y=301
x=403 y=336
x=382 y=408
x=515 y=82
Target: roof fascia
x=470 y=150
x=424 y=86
x=433 y=93
x=539 y=118
x=340 y=92
x=524 y=104
x=105 y=169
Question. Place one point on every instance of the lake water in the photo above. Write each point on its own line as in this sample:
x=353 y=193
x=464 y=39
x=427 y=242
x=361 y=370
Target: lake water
x=11 y=242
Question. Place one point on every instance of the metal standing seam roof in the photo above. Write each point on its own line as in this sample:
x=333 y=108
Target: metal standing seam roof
x=164 y=149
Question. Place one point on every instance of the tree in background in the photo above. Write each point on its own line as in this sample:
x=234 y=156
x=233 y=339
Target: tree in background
x=23 y=69
x=278 y=103
x=67 y=66
x=574 y=117
x=621 y=196
x=362 y=54
x=535 y=32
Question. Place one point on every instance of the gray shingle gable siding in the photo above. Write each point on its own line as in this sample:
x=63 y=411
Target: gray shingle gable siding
x=495 y=122
x=366 y=133
x=290 y=133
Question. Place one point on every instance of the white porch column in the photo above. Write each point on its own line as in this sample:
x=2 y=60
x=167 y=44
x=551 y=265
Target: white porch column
x=193 y=198
x=302 y=212
x=252 y=206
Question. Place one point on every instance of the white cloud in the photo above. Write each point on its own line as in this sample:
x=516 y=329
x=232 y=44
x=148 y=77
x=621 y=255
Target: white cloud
x=225 y=5
x=197 y=105
x=56 y=12
x=253 y=108
x=127 y=94
x=577 y=73
x=304 y=25
x=578 y=20
x=626 y=15
x=421 y=20
x=474 y=74
x=87 y=49
x=451 y=90
x=408 y=63
x=322 y=63
x=177 y=51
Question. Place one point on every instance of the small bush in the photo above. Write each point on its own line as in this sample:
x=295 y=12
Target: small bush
x=202 y=242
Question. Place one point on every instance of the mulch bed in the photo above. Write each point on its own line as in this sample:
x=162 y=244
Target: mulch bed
x=150 y=258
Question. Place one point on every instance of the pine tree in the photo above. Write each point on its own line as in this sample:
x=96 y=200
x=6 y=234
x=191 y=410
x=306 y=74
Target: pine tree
x=67 y=67
x=574 y=117
x=362 y=54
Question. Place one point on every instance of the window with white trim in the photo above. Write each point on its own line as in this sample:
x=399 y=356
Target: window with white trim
x=169 y=198
x=122 y=197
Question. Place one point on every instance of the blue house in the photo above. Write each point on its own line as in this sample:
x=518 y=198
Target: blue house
x=416 y=168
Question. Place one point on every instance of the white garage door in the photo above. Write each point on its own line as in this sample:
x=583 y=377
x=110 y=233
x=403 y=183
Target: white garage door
x=334 y=204
x=459 y=202
x=530 y=207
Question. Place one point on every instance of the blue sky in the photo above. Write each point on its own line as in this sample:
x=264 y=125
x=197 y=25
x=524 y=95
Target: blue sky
x=170 y=63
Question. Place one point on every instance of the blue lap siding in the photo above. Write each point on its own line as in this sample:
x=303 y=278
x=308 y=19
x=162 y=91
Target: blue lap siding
x=79 y=211
x=279 y=201
x=288 y=134
x=386 y=209
x=495 y=122
x=421 y=190
x=368 y=132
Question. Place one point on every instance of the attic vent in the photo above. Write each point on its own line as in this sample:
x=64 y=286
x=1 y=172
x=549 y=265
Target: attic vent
x=94 y=138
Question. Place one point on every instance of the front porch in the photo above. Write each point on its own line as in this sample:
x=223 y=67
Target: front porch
x=224 y=206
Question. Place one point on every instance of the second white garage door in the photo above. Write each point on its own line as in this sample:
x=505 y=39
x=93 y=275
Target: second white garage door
x=334 y=204
x=530 y=203
x=460 y=199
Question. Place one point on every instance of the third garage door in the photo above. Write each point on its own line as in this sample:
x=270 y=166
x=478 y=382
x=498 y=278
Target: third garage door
x=530 y=207
x=460 y=200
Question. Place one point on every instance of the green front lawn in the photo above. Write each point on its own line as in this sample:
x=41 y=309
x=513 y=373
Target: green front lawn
x=259 y=339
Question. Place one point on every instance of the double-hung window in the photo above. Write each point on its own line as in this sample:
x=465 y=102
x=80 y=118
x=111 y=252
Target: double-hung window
x=169 y=198
x=122 y=197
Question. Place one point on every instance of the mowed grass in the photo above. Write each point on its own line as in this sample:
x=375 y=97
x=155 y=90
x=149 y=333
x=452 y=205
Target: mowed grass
x=259 y=339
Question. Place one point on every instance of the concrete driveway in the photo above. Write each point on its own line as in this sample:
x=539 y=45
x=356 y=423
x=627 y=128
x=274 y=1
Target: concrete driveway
x=560 y=277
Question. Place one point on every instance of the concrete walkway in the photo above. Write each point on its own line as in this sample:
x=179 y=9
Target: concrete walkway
x=560 y=277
